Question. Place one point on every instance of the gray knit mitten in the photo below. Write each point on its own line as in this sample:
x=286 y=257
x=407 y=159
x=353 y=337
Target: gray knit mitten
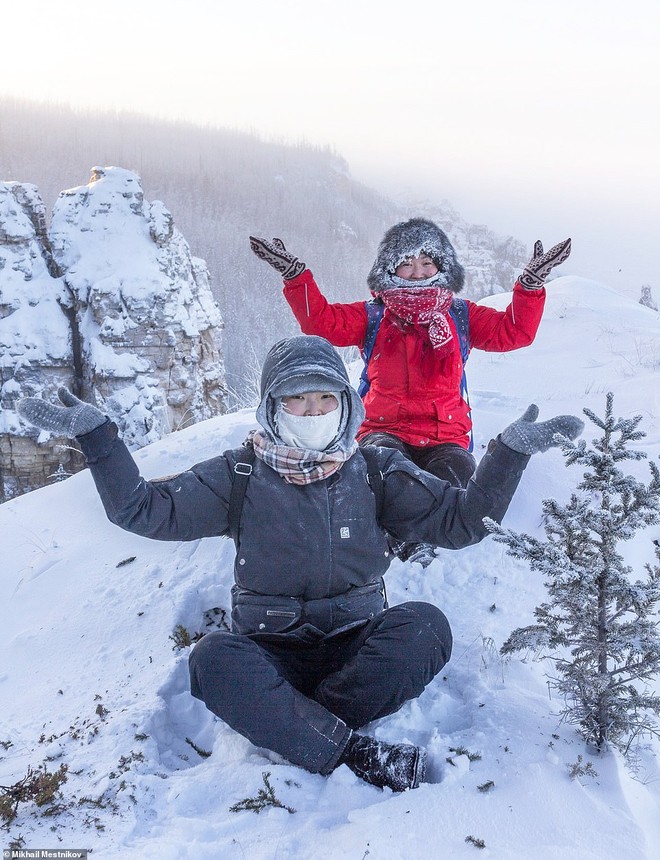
x=74 y=418
x=527 y=437
x=539 y=267
x=276 y=255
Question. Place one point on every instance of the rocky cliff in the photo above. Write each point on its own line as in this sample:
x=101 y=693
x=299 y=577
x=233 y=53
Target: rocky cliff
x=110 y=302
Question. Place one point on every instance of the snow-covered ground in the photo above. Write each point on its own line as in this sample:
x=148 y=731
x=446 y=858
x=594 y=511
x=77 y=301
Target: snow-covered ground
x=91 y=678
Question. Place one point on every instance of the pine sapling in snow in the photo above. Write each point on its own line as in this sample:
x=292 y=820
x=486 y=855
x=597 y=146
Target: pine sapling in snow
x=599 y=625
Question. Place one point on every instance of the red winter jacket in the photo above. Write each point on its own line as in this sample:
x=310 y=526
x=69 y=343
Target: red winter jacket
x=415 y=394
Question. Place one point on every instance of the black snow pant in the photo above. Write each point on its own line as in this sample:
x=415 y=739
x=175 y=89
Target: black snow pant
x=300 y=694
x=447 y=461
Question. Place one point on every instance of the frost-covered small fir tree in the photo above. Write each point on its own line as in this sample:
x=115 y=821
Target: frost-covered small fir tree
x=600 y=624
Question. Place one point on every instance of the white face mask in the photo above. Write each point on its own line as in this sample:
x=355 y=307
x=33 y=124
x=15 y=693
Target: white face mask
x=314 y=432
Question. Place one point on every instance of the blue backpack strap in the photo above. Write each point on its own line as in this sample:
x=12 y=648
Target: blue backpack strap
x=459 y=313
x=374 y=309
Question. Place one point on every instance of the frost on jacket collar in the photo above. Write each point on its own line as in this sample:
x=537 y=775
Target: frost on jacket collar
x=308 y=363
x=410 y=239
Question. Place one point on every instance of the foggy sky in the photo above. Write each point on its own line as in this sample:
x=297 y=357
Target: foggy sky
x=539 y=122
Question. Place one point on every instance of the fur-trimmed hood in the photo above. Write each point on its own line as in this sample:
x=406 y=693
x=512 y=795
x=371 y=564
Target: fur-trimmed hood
x=308 y=363
x=410 y=239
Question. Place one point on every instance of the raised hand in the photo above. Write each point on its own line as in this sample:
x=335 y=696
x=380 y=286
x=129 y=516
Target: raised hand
x=528 y=437
x=72 y=418
x=276 y=255
x=541 y=264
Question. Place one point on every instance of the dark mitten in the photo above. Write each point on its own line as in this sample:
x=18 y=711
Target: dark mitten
x=539 y=267
x=276 y=255
x=527 y=437
x=73 y=418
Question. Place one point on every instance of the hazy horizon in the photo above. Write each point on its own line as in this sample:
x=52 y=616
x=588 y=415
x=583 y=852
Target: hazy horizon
x=537 y=123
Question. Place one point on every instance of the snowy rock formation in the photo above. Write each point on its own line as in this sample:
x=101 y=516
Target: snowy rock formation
x=110 y=302
x=35 y=338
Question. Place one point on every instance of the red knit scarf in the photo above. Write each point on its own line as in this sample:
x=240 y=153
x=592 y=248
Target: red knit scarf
x=425 y=308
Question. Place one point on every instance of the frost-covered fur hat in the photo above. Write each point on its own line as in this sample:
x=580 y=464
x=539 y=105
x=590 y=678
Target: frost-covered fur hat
x=308 y=363
x=410 y=239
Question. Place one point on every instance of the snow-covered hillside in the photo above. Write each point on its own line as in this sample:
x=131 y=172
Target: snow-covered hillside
x=223 y=184
x=90 y=678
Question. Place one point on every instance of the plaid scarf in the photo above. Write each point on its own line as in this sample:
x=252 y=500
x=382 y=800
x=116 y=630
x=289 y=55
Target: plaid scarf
x=425 y=308
x=298 y=465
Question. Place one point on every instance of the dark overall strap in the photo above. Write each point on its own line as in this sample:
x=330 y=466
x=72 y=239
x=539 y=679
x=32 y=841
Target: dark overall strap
x=374 y=477
x=242 y=472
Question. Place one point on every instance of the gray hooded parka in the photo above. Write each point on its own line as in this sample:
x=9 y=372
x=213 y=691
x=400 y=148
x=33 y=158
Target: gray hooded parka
x=308 y=569
x=308 y=557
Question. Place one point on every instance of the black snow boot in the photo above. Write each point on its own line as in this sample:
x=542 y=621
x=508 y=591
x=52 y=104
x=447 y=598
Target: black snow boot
x=422 y=553
x=395 y=766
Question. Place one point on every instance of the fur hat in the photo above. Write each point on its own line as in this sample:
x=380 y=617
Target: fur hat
x=410 y=239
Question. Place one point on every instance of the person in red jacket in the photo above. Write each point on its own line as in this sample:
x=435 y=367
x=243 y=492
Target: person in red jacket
x=415 y=401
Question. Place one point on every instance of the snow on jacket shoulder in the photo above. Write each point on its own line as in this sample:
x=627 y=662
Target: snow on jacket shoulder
x=415 y=393
x=323 y=542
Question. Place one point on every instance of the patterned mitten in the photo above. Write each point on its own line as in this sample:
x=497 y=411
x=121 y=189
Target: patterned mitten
x=276 y=255
x=539 y=267
x=527 y=437
x=74 y=418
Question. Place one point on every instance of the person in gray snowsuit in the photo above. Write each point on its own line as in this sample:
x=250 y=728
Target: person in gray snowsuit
x=314 y=652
